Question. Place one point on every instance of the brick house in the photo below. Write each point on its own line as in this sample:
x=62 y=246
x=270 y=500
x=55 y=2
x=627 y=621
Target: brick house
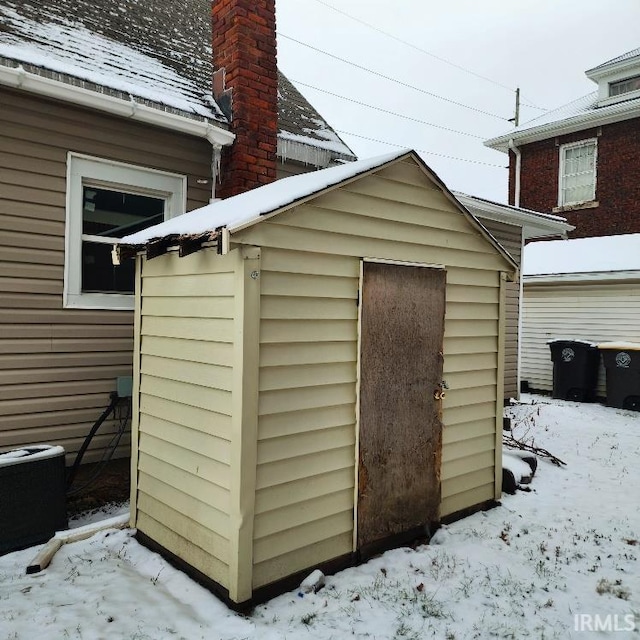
x=109 y=123
x=582 y=161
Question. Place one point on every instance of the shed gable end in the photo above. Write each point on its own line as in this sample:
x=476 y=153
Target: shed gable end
x=418 y=200
x=307 y=423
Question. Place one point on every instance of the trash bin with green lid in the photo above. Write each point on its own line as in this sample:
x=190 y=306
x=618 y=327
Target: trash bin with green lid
x=622 y=364
x=575 y=369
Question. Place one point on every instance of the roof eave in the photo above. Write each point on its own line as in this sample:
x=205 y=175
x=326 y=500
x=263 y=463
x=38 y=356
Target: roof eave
x=583 y=277
x=311 y=196
x=483 y=230
x=534 y=224
x=225 y=232
x=19 y=78
x=310 y=154
x=433 y=176
x=603 y=70
x=597 y=117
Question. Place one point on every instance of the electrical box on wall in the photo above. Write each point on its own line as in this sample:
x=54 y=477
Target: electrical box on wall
x=124 y=386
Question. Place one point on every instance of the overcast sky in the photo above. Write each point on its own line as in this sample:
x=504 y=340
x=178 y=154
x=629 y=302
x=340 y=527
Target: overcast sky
x=542 y=46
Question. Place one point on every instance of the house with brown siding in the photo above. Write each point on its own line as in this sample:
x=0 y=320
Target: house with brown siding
x=109 y=124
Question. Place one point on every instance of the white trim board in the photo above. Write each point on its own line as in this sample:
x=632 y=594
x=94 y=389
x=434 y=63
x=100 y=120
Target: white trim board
x=84 y=169
x=19 y=78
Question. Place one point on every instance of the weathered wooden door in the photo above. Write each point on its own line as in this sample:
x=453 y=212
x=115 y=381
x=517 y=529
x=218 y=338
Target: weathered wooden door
x=400 y=438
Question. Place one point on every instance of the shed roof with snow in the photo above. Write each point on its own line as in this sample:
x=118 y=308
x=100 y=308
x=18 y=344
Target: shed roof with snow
x=246 y=209
x=318 y=376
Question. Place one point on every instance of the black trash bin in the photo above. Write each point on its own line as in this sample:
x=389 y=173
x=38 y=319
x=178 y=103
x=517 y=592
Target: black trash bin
x=32 y=496
x=622 y=364
x=575 y=369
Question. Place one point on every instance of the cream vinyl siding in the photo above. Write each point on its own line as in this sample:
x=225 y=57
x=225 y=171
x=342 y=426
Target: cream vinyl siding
x=308 y=356
x=599 y=312
x=183 y=436
x=58 y=366
x=510 y=237
x=306 y=418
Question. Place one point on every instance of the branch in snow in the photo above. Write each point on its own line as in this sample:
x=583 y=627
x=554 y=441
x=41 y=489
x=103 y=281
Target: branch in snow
x=524 y=440
x=510 y=441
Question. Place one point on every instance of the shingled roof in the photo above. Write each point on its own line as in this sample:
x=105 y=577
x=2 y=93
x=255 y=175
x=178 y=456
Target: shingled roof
x=629 y=55
x=157 y=53
x=586 y=112
x=304 y=134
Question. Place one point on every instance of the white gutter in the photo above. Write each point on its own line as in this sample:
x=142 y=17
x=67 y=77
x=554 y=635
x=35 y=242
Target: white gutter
x=534 y=223
x=593 y=118
x=518 y=155
x=18 y=78
x=608 y=68
x=592 y=276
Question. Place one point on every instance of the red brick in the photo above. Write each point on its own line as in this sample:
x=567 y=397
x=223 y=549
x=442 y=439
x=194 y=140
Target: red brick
x=244 y=44
x=617 y=179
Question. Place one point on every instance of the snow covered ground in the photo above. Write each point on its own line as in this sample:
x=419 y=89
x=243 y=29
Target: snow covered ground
x=555 y=562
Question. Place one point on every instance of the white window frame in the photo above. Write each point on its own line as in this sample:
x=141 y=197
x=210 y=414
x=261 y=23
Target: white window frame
x=84 y=170
x=563 y=149
x=613 y=83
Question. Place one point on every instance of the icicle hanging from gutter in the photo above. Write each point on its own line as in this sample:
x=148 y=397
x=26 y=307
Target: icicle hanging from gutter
x=305 y=153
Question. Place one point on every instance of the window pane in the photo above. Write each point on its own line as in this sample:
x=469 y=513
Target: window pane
x=112 y=214
x=578 y=194
x=624 y=86
x=570 y=182
x=579 y=173
x=100 y=275
x=116 y=214
x=583 y=164
x=569 y=165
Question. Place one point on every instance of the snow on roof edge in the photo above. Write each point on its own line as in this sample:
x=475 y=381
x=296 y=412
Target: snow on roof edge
x=333 y=146
x=578 y=121
x=538 y=214
x=245 y=209
x=577 y=108
x=152 y=80
x=629 y=55
x=241 y=209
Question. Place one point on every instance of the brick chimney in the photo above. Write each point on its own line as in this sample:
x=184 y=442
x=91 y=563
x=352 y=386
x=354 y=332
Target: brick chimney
x=246 y=87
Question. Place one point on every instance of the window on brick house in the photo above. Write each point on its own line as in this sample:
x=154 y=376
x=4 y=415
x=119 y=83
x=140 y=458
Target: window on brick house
x=106 y=201
x=577 y=180
x=624 y=86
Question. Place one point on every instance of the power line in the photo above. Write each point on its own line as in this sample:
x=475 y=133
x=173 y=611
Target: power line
x=431 y=153
x=393 y=113
x=424 y=51
x=395 y=80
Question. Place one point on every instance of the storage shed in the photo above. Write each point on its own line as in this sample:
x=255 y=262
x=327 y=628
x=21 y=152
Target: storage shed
x=581 y=289
x=318 y=373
